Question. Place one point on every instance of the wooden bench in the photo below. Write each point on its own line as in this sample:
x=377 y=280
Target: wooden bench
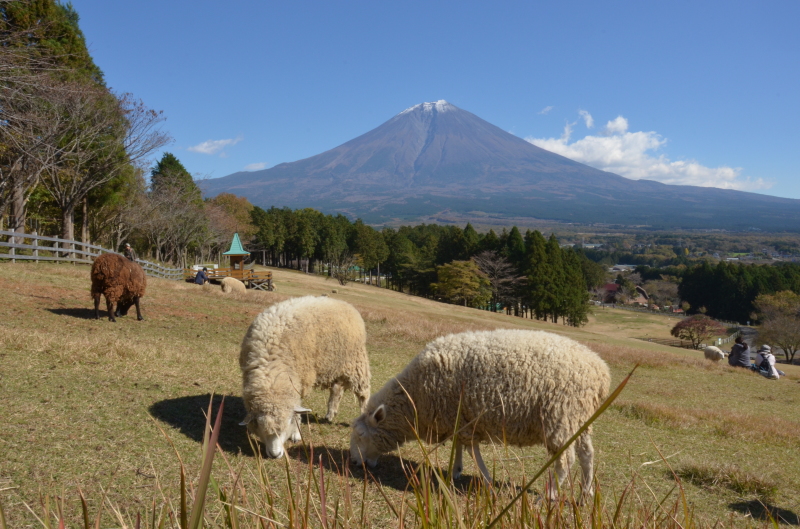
x=255 y=279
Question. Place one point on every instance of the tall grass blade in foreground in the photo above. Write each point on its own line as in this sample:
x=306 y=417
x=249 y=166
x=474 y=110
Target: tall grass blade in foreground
x=209 y=449
x=566 y=445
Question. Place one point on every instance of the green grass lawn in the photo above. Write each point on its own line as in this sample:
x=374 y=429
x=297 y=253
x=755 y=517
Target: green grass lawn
x=98 y=406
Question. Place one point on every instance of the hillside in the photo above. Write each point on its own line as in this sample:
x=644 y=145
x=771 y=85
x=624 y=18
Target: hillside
x=437 y=159
x=84 y=401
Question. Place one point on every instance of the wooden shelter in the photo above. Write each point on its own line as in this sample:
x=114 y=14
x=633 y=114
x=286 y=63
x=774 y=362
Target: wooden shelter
x=237 y=253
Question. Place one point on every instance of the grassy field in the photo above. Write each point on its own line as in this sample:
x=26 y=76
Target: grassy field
x=103 y=408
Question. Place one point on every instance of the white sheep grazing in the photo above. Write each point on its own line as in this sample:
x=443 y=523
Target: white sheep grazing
x=293 y=346
x=231 y=284
x=715 y=354
x=512 y=386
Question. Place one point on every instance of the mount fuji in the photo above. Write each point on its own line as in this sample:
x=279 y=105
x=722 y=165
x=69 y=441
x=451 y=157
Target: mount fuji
x=435 y=158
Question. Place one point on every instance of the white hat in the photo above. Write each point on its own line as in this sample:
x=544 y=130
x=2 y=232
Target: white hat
x=765 y=349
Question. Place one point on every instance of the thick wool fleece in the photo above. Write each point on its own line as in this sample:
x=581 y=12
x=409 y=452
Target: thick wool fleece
x=231 y=284
x=514 y=386
x=299 y=344
x=715 y=354
x=118 y=279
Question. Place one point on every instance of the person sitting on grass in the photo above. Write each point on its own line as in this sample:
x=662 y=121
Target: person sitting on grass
x=765 y=361
x=202 y=277
x=740 y=354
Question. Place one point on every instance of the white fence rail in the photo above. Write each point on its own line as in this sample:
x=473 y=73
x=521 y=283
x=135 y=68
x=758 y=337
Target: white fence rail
x=15 y=246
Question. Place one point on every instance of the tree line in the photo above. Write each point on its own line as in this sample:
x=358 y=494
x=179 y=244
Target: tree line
x=728 y=291
x=527 y=275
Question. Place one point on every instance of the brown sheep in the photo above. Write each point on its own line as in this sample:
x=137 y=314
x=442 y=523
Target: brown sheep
x=121 y=281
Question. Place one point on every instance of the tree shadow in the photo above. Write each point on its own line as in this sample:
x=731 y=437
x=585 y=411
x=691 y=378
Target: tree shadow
x=759 y=511
x=82 y=313
x=188 y=415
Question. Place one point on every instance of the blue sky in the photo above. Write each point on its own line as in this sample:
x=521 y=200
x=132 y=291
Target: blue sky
x=701 y=93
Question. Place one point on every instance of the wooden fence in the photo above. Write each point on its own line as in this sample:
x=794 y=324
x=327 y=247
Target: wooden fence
x=64 y=250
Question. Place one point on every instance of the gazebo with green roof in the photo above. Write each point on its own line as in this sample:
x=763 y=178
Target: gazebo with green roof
x=237 y=253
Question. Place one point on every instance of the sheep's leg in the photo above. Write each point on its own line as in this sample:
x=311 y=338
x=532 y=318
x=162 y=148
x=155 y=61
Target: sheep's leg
x=476 y=455
x=559 y=477
x=295 y=436
x=138 y=309
x=337 y=390
x=586 y=456
x=458 y=464
x=363 y=397
x=97 y=307
x=110 y=308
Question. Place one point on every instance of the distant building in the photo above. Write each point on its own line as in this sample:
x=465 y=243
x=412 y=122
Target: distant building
x=621 y=268
x=610 y=292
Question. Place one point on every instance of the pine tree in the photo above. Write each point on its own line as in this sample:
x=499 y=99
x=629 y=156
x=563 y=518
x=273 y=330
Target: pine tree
x=170 y=172
x=489 y=242
x=555 y=284
x=537 y=269
x=515 y=248
x=471 y=241
x=576 y=296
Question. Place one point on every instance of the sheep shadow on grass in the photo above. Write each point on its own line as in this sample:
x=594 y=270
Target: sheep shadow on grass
x=80 y=313
x=759 y=511
x=392 y=471
x=188 y=415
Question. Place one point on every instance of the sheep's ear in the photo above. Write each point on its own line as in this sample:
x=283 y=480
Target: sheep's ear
x=246 y=420
x=298 y=409
x=379 y=414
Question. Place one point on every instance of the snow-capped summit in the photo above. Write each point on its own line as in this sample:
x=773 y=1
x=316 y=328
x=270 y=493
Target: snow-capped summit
x=437 y=159
x=439 y=106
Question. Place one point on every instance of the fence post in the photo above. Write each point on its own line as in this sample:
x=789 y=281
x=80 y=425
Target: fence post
x=36 y=243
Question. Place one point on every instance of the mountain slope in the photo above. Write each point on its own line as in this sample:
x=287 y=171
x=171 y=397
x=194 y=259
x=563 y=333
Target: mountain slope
x=435 y=157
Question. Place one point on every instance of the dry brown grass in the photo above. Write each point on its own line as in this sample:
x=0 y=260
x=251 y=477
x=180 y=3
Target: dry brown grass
x=733 y=424
x=625 y=356
x=417 y=327
x=714 y=476
x=83 y=400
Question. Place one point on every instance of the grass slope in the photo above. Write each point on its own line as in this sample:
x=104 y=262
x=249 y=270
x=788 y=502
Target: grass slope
x=84 y=402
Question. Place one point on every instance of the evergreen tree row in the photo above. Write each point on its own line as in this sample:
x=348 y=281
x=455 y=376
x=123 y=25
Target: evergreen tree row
x=727 y=291
x=526 y=275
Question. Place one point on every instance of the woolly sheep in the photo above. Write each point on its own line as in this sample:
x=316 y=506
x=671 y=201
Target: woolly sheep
x=231 y=284
x=121 y=281
x=715 y=354
x=512 y=386
x=293 y=346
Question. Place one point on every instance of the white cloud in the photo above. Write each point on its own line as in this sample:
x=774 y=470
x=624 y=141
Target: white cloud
x=632 y=155
x=214 y=146
x=587 y=118
x=546 y=110
x=255 y=166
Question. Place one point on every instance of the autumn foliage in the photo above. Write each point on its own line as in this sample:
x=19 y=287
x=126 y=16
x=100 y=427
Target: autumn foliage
x=697 y=329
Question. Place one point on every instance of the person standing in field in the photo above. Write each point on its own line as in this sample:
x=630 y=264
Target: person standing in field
x=740 y=354
x=130 y=253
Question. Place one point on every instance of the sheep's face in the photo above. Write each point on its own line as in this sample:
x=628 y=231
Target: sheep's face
x=123 y=306
x=366 y=439
x=274 y=433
